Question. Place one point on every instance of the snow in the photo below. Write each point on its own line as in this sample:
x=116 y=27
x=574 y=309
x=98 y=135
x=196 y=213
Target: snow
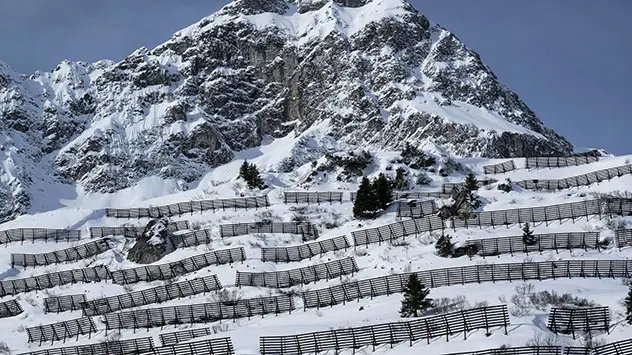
x=86 y=210
x=462 y=113
x=312 y=25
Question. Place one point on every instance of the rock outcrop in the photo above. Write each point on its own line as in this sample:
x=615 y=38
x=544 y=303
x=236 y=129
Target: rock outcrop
x=153 y=244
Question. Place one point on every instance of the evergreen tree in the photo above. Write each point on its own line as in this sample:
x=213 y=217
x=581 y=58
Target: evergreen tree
x=251 y=176
x=366 y=202
x=415 y=298
x=444 y=246
x=384 y=190
x=470 y=182
x=527 y=235
x=628 y=306
x=244 y=170
x=400 y=179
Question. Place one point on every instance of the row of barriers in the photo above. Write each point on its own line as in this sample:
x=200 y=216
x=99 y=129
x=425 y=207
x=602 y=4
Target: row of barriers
x=152 y=295
x=199 y=313
x=68 y=255
x=299 y=276
x=134 y=231
x=578 y=180
x=425 y=328
x=433 y=278
x=178 y=209
x=573 y=210
x=146 y=346
x=623 y=347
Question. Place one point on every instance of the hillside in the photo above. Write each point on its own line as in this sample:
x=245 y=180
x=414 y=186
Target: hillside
x=328 y=76
x=413 y=253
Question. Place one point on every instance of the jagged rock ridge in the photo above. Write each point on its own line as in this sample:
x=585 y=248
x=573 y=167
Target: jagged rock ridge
x=378 y=73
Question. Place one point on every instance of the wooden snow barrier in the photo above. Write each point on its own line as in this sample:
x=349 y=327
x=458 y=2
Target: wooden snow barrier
x=38 y=234
x=41 y=282
x=134 y=231
x=118 y=347
x=63 y=303
x=10 y=308
x=419 y=194
x=300 y=276
x=192 y=238
x=516 y=244
x=416 y=209
x=68 y=255
x=404 y=195
x=305 y=229
x=623 y=347
x=61 y=330
x=426 y=328
x=578 y=180
x=530 y=350
x=199 y=313
x=181 y=208
x=394 y=284
x=312 y=197
x=304 y=251
x=558 y=162
x=157 y=294
x=545 y=214
x=499 y=168
x=584 y=320
x=217 y=346
x=449 y=186
x=623 y=237
x=181 y=336
x=180 y=267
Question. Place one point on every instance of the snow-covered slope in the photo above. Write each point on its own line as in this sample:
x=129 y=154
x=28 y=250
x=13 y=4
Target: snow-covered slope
x=332 y=220
x=341 y=75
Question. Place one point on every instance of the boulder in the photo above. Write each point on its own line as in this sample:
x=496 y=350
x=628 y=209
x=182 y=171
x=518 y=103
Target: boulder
x=153 y=244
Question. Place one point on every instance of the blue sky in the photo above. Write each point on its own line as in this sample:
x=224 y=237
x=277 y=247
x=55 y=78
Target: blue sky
x=567 y=59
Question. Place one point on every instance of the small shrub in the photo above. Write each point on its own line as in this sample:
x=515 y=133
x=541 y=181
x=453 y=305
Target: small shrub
x=506 y=186
x=422 y=179
x=4 y=349
x=540 y=339
x=415 y=158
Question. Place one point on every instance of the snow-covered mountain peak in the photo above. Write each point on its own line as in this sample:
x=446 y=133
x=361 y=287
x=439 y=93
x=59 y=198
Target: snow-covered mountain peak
x=341 y=75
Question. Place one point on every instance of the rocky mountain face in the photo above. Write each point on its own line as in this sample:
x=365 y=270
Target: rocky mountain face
x=361 y=73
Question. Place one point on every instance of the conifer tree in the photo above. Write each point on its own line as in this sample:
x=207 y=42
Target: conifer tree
x=400 y=179
x=366 y=202
x=444 y=246
x=383 y=190
x=251 y=176
x=527 y=235
x=244 y=170
x=470 y=182
x=415 y=298
x=628 y=306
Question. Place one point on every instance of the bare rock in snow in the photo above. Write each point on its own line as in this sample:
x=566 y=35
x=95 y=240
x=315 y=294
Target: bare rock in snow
x=153 y=244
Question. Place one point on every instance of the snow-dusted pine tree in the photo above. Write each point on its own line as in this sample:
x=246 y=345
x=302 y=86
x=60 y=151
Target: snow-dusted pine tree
x=415 y=298
x=366 y=202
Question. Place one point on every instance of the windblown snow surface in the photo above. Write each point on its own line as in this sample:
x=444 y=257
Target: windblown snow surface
x=84 y=211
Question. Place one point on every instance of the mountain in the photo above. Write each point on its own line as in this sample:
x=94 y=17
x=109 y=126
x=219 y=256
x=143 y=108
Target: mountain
x=340 y=75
